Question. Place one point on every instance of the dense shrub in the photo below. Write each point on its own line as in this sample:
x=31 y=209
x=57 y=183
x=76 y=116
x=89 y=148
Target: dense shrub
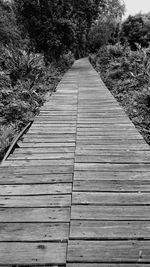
x=127 y=74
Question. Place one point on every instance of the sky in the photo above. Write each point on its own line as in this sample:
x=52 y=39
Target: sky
x=135 y=6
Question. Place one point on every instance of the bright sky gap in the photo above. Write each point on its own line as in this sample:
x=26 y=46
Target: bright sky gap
x=135 y=6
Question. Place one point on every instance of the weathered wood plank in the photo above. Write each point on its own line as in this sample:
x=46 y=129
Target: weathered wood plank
x=109 y=251
x=10 y=170
x=126 y=158
x=116 y=213
x=45 y=144
x=39 y=162
x=35 y=179
x=112 y=146
x=35 y=189
x=32 y=253
x=109 y=230
x=111 y=175
x=109 y=141
x=106 y=265
x=16 y=232
x=34 y=214
x=111 y=167
x=92 y=198
x=20 y=156
x=34 y=150
x=112 y=186
x=35 y=201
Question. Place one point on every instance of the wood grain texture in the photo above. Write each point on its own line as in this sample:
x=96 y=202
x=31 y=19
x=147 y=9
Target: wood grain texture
x=106 y=265
x=35 y=201
x=34 y=214
x=114 y=230
x=92 y=198
x=117 y=213
x=35 y=178
x=32 y=253
x=116 y=185
x=109 y=251
x=23 y=232
x=34 y=189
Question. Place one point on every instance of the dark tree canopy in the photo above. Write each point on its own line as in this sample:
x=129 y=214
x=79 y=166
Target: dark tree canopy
x=136 y=30
x=58 y=26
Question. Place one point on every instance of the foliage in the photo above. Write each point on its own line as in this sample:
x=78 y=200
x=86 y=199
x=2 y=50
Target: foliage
x=20 y=100
x=55 y=27
x=127 y=75
x=106 y=28
x=103 y=32
x=136 y=29
x=9 y=33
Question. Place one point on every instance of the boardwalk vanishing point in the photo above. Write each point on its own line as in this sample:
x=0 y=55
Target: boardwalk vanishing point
x=76 y=192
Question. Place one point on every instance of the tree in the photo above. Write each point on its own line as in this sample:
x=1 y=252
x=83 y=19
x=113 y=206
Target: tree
x=107 y=27
x=58 y=26
x=136 y=29
x=48 y=24
x=9 y=33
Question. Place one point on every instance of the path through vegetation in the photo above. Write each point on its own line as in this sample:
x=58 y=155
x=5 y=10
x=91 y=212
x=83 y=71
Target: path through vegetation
x=77 y=191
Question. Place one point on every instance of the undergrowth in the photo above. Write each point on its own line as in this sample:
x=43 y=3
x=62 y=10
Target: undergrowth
x=25 y=81
x=126 y=73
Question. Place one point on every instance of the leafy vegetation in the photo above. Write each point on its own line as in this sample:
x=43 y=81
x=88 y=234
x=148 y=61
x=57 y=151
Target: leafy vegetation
x=136 y=30
x=25 y=79
x=39 y=40
x=106 y=29
x=127 y=74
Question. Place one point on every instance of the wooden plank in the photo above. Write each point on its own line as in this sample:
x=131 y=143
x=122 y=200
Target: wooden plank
x=39 y=162
x=112 y=146
x=109 y=141
x=94 y=198
x=36 y=170
x=51 y=129
x=34 y=214
x=43 y=139
x=109 y=251
x=99 y=230
x=43 y=150
x=106 y=265
x=23 y=232
x=112 y=186
x=92 y=137
x=20 y=156
x=34 y=144
x=111 y=167
x=32 y=253
x=35 y=201
x=118 y=153
x=103 y=120
x=126 y=158
x=36 y=189
x=116 y=213
x=111 y=175
x=35 y=179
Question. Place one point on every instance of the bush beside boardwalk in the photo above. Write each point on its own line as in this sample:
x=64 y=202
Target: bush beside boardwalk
x=24 y=83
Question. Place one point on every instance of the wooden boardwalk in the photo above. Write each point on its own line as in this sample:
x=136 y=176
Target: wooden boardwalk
x=77 y=191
